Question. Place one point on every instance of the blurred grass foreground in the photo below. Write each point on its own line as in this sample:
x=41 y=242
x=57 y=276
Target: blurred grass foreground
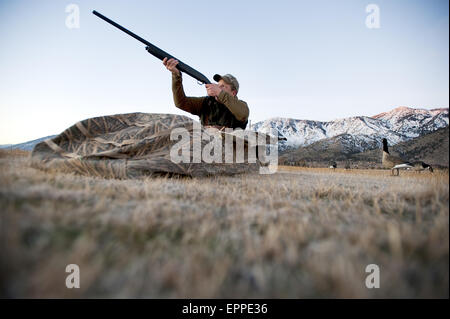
x=300 y=233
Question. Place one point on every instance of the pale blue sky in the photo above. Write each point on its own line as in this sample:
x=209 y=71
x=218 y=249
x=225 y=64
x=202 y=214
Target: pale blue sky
x=301 y=59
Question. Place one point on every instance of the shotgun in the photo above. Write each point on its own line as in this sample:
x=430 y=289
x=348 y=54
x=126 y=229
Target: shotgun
x=157 y=52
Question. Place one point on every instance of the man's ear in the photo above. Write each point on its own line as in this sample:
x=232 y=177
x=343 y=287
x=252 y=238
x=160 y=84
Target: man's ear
x=234 y=92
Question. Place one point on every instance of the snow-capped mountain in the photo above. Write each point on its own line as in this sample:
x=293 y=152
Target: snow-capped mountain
x=27 y=146
x=361 y=132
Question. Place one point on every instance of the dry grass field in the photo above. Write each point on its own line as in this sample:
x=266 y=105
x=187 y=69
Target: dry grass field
x=300 y=233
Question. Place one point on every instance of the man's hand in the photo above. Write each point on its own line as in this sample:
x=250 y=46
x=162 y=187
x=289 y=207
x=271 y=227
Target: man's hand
x=213 y=89
x=171 y=65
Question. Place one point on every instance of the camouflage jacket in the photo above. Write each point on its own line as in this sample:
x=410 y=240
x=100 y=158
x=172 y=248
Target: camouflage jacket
x=228 y=111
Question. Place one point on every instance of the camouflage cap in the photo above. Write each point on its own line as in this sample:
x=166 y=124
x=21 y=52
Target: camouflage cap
x=229 y=79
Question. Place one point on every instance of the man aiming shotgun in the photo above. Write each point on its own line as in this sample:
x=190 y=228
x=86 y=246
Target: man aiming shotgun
x=136 y=145
x=221 y=108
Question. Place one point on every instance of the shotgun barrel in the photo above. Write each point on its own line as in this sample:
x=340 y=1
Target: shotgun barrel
x=157 y=52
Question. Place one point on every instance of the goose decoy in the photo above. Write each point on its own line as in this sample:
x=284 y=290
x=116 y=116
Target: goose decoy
x=397 y=163
x=421 y=166
x=393 y=162
x=333 y=165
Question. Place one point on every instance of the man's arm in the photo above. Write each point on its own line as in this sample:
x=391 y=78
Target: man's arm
x=192 y=105
x=238 y=107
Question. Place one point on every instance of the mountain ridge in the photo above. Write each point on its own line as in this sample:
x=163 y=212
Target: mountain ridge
x=397 y=125
x=26 y=146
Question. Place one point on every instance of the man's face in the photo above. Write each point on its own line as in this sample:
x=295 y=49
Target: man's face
x=226 y=87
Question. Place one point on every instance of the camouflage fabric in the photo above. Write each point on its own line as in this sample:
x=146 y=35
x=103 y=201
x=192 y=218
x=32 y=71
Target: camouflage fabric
x=130 y=145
